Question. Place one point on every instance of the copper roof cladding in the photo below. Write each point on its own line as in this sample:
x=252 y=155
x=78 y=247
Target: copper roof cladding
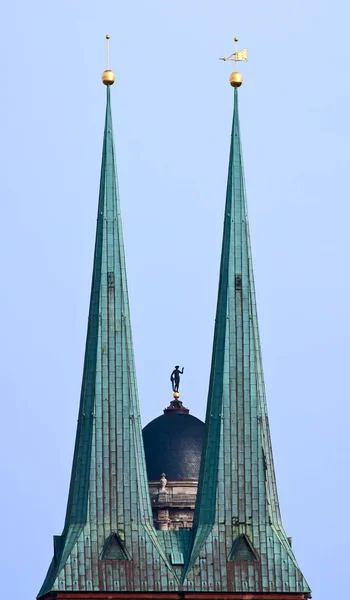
x=109 y=547
x=237 y=522
x=108 y=499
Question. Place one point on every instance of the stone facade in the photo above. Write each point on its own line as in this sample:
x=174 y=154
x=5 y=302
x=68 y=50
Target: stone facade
x=173 y=503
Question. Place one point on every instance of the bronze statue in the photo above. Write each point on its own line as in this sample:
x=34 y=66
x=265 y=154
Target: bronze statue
x=175 y=378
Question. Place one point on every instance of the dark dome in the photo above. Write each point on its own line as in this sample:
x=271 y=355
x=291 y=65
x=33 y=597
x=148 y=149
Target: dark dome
x=173 y=445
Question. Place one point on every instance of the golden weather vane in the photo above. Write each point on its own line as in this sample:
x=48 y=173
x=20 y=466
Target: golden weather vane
x=237 y=56
x=242 y=56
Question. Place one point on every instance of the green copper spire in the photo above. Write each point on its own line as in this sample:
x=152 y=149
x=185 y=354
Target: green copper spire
x=109 y=514
x=237 y=518
x=109 y=545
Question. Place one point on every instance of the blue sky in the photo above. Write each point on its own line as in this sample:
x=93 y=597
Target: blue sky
x=172 y=109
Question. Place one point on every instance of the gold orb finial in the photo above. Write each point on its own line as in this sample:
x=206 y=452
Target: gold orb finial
x=108 y=77
x=236 y=79
x=236 y=39
x=176 y=395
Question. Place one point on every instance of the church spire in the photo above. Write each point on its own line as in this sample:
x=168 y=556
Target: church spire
x=237 y=510
x=109 y=546
x=109 y=514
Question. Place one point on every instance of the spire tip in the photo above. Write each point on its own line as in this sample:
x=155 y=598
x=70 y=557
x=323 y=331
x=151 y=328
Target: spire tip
x=108 y=77
x=236 y=78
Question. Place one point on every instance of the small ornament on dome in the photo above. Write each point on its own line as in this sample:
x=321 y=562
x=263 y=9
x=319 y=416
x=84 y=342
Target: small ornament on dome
x=236 y=78
x=175 y=380
x=176 y=405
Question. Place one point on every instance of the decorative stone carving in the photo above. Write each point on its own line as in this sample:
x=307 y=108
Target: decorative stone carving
x=173 y=505
x=163 y=482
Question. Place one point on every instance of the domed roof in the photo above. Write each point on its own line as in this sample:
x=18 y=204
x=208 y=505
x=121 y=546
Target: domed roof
x=173 y=444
